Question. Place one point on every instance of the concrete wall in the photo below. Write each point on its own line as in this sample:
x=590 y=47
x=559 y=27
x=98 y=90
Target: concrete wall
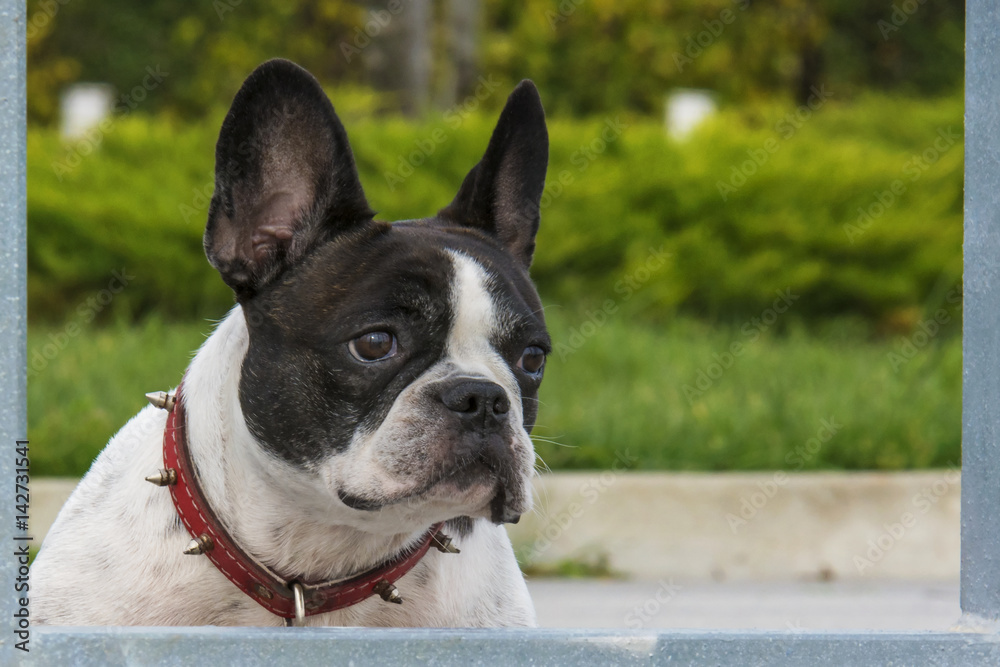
x=760 y=526
x=723 y=527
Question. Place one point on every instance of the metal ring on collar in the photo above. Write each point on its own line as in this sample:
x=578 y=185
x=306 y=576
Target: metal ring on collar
x=300 y=606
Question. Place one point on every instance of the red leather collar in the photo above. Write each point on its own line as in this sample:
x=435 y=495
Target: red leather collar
x=267 y=588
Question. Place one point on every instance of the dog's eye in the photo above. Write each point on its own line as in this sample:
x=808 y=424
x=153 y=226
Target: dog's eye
x=532 y=360
x=373 y=346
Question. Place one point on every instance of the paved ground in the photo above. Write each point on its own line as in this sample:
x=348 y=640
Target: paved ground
x=782 y=606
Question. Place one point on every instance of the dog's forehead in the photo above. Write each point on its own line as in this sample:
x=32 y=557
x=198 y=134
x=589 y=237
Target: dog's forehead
x=476 y=260
x=414 y=264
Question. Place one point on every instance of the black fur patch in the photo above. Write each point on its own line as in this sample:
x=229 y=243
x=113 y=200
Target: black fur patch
x=460 y=526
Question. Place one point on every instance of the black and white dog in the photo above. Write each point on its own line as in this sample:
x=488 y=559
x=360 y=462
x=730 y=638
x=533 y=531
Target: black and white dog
x=374 y=380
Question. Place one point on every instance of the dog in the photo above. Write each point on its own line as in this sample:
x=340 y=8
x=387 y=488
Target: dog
x=367 y=403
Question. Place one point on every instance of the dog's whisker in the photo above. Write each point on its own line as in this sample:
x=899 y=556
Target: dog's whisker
x=544 y=466
x=544 y=308
x=550 y=441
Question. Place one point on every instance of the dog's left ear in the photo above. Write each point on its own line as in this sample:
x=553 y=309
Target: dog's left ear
x=285 y=178
x=501 y=195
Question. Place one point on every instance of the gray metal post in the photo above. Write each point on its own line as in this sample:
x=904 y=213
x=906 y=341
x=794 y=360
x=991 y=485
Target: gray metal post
x=13 y=265
x=981 y=336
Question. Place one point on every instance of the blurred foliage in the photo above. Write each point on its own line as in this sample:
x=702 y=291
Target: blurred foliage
x=592 y=56
x=206 y=48
x=588 y=56
x=50 y=69
x=618 y=190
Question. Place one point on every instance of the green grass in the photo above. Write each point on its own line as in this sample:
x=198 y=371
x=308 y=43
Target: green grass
x=624 y=391
x=596 y=567
x=95 y=383
x=621 y=393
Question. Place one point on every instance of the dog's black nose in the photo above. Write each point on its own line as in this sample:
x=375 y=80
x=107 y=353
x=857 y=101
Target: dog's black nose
x=478 y=402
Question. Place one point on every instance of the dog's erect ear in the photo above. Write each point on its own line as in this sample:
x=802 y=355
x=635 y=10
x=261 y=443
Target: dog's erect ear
x=501 y=194
x=284 y=178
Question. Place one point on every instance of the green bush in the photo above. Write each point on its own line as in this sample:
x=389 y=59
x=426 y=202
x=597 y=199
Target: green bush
x=139 y=201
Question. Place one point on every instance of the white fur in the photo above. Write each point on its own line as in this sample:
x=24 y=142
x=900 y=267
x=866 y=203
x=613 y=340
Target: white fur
x=114 y=555
x=476 y=318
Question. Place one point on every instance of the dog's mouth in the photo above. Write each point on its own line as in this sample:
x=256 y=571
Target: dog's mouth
x=479 y=471
x=500 y=510
x=359 y=503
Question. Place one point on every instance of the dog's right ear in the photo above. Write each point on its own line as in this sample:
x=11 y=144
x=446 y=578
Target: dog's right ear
x=284 y=178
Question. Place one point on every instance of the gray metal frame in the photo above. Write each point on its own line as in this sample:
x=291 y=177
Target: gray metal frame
x=13 y=293
x=981 y=337
x=975 y=641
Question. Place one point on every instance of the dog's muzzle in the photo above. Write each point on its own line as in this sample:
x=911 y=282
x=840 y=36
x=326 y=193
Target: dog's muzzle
x=482 y=408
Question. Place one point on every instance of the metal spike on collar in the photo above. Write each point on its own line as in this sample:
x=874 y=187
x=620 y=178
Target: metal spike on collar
x=165 y=477
x=201 y=544
x=444 y=544
x=161 y=399
x=387 y=591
